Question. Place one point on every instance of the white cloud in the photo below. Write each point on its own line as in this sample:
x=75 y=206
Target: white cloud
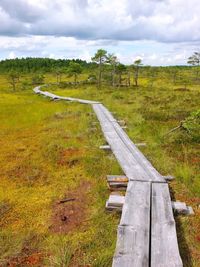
x=164 y=20
x=139 y=58
x=76 y=28
x=11 y=55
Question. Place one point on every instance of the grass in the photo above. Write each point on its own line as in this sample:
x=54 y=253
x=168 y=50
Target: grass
x=36 y=133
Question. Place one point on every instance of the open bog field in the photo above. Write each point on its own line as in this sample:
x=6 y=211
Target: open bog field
x=49 y=151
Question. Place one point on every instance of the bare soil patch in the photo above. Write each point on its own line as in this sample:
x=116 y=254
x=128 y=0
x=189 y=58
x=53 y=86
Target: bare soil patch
x=71 y=214
x=69 y=157
x=24 y=260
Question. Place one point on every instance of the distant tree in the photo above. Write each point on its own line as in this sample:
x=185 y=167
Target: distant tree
x=58 y=73
x=120 y=68
x=128 y=78
x=74 y=70
x=100 y=58
x=13 y=79
x=38 y=79
x=136 y=66
x=113 y=61
x=194 y=60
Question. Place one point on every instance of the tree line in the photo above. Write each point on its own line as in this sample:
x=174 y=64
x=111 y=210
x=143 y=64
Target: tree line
x=104 y=68
x=30 y=65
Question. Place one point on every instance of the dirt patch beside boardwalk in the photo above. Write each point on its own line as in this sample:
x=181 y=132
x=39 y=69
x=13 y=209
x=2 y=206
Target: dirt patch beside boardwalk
x=66 y=217
x=34 y=259
x=71 y=214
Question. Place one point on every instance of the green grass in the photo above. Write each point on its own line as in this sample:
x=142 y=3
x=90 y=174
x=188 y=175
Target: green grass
x=34 y=175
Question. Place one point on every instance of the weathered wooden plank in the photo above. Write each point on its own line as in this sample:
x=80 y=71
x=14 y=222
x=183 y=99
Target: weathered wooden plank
x=67 y=98
x=82 y=101
x=116 y=178
x=86 y=101
x=125 y=158
x=132 y=248
x=181 y=208
x=140 y=168
x=137 y=204
x=107 y=113
x=164 y=245
x=141 y=144
x=126 y=261
x=151 y=172
x=121 y=151
x=113 y=208
x=105 y=147
x=121 y=123
x=37 y=90
x=119 y=186
x=116 y=200
x=168 y=177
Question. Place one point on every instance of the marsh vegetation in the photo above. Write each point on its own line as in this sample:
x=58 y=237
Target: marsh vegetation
x=50 y=151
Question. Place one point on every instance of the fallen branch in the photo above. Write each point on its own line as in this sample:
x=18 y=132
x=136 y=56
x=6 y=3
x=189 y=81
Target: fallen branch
x=66 y=200
x=174 y=129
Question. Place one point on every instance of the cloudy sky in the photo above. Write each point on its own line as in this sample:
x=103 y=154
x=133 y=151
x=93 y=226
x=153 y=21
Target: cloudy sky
x=161 y=32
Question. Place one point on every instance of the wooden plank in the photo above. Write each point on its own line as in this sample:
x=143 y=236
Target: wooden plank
x=151 y=172
x=116 y=200
x=113 y=208
x=169 y=177
x=51 y=95
x=120 y=186
x=132 y=249
x=127 y=161
x=105 y=147
x=164 y=245
x=37 y=90
x=141 y=144
x=121 y=123
x=116 y=178
x=107 y=113
x=125 y=261
x=136 y=166
x=181 y=208
x=137 y=204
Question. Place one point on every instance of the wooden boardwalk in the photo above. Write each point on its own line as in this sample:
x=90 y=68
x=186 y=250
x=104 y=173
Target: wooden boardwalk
x=147 y=231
